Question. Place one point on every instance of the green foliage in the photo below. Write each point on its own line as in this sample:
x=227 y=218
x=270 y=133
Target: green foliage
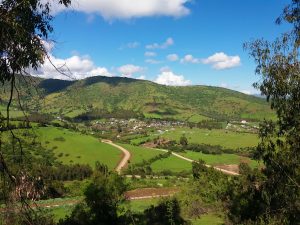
x=23 y=26
x=273 y=196
x=165 y=213
x=204 y=193
x=59 y=139
x=183 y=141
x=198 y=168
x=102 y=198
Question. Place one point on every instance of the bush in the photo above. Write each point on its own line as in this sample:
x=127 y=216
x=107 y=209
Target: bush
x=62 y=139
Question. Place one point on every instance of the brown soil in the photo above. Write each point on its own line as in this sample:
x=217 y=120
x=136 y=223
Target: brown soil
x=229 y=167
x=151 y=192
x=160 y=141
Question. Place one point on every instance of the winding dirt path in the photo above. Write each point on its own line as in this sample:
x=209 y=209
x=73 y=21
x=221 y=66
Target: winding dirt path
x=125 y=155
x=229 y=172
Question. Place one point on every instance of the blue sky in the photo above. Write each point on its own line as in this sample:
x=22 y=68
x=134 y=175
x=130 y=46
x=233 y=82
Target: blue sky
x=172 y=42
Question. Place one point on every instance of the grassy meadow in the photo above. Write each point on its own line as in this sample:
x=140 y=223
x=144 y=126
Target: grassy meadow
x=224 y=138
x=13 y=113
x=171 y=163
x=209 y=219
x=73 y=147
x=219 y=159
x=139 y=153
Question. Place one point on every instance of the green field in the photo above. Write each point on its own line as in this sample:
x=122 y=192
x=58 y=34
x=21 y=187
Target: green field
x=138 y=153
x=13 y=113
x=74 y=113
x=138 y=206
x=61 y=212
x=224 y=138
x=209 y=219
x=171 y=163
x=77 y=147
x=219 y=159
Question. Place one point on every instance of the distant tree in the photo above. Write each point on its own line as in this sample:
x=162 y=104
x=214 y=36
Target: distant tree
x=102 y=168
x=183 y=141
x=197 y=168
x=275 y=192
x=119 y=128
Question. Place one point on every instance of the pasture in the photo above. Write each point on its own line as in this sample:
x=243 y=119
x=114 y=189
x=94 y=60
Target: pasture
x=219 y=159
x=72 y=147
x=211 y=219
x=13 y=113
x=171 y=163
x=222 y=137
x=138 y=153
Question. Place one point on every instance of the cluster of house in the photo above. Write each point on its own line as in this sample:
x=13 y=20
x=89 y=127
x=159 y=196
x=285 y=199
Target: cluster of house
x=242 y=125
x=135 y=125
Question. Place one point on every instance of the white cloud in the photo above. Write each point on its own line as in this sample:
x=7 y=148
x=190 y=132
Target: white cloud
x=172 y=57
x=247 y=92
x=134 y=44
x=150 y=54
x=190 y=59
x=169 y=78
x=90 y=18
x=48 y=45
x=129 y=69
x=221 y=61
x=224 y=85
x=165 y=69
x=169 y=42
x=128 y=9
x=152 y=61
x=75 y=67
x=143 y=77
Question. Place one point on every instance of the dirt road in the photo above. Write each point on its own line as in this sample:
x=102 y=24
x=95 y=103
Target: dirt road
x=137 y=194
x=125 y=155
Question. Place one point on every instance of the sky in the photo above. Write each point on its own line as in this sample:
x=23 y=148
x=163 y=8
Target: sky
x=170 y=42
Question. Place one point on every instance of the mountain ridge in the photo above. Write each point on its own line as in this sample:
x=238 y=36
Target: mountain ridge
x=150 y=100
x=103 y=97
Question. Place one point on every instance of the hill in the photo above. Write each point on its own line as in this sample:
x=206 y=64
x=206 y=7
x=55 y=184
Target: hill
x=100 y=97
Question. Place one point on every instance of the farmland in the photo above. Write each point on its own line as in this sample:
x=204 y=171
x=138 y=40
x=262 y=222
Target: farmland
x=222 y=137
x=219 y=159
x=138 y=153
x=171 y=163
x=73 y=147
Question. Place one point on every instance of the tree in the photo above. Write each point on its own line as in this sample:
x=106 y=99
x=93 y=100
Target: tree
x=166 y=213
x=25 y=26
x=183 y=141
x=276 y=192
x=197 y=168
x=102 y=200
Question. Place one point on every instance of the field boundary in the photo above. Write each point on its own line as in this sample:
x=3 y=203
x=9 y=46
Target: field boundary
x=120 y=166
